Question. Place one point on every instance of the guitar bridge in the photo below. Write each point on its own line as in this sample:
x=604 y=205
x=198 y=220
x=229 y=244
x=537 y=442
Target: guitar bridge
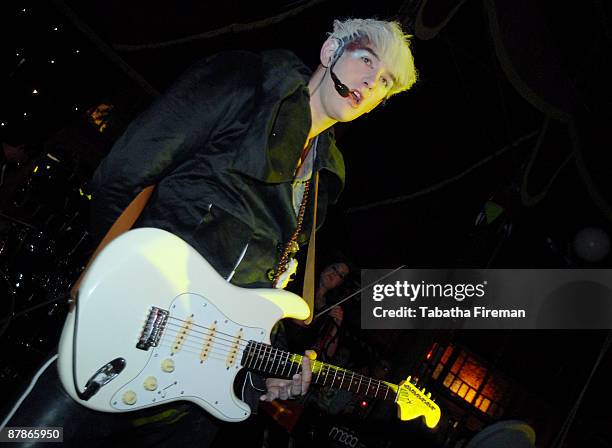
x=153 y=328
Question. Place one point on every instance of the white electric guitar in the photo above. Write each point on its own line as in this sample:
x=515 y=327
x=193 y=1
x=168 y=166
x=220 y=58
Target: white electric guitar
x=155 y=323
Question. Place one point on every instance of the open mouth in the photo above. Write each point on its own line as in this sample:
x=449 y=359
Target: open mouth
x=355 y=96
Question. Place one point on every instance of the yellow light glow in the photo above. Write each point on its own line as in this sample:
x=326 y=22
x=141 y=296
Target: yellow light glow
x=448 y=380
x=455 y=386
x=99 y=116
x=438 y=371
x=470 y=396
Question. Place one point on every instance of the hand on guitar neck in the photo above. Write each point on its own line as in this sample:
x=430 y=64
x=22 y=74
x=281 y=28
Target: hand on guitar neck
x=287 y=389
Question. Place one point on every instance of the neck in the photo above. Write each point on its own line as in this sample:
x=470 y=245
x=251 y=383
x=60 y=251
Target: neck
x=270 y=360
x=320 y=120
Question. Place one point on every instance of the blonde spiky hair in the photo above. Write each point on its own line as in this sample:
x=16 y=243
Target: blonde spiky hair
x=390 y=42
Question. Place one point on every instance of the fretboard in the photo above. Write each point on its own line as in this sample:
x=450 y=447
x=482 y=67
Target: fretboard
x=275 y=362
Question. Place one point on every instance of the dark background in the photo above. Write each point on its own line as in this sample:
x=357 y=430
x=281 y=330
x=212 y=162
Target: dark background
x=512 y=107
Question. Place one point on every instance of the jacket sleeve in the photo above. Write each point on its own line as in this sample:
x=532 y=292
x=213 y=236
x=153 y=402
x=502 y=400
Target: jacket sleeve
x=211 y=94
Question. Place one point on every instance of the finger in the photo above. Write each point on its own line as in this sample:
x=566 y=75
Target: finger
x=273 y=390
x=284 y=393
x=296 y=381
x=306 y=372
x=295 y=388
x=268 y=396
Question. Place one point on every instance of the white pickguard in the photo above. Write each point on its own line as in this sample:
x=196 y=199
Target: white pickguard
x=147 y=268
x=209 y=380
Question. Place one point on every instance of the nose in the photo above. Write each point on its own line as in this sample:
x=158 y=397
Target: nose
x=370 y=81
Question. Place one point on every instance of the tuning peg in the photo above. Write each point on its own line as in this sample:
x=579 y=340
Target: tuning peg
x=428 y=394
x=408 y=379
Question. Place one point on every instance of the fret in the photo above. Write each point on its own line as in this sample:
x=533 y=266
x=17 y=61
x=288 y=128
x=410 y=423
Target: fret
x=335 y=373
x=254 y=355
x=377 y=387
x=293 y=364
x=326 y=374
x=284 y=364
x=352 y=378
x=268 y=359
x=279 y=357
x=319 y=372
x=342 y=380
x=387 y=392
x=256 y=349
x=261 y=357
x=359 y=385
x=247 y=355
x=368 y=388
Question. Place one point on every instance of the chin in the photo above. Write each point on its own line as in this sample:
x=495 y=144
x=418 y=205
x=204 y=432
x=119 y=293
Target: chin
x=349 y=115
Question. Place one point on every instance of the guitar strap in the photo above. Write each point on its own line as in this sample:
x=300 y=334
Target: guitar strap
x=308 y=291
x=124 y=223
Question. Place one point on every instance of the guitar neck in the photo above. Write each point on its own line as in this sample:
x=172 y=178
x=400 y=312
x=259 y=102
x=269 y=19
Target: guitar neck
x=269 y=360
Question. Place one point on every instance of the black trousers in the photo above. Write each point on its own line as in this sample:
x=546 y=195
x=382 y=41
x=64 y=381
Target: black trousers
x=179 y=424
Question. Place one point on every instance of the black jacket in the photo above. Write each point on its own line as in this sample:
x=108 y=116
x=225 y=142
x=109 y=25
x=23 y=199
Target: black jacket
x=222 y=145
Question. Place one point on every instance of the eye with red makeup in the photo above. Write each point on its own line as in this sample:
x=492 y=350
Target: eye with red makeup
x=362 y=49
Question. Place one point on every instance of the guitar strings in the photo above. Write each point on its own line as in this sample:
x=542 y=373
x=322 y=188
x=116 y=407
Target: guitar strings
x=281 y=356
x=207 y=333
x=366 y=384
x=283 y=359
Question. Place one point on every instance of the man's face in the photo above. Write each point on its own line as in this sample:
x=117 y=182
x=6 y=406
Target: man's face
x=361 y=69
x=334 y=275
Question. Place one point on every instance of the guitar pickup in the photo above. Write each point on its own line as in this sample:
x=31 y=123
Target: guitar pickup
x=230 y=361
x=208 y=342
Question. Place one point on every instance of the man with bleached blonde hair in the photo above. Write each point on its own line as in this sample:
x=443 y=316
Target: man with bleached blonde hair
x=233 y=148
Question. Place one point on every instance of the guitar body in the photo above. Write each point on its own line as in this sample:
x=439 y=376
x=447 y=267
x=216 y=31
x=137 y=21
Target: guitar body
x=155 y=323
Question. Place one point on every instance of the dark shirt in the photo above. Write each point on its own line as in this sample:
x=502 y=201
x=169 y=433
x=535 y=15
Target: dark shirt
x=222 y=146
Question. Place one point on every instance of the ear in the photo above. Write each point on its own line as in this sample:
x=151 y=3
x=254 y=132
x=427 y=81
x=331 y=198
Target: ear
x=329 y=48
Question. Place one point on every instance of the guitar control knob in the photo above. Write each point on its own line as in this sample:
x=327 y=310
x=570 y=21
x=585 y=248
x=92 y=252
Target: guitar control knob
x=150 y=383
x=129 y=397
x=167 y=365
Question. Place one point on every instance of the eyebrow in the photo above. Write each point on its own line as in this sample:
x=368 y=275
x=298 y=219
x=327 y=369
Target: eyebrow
x=373 y=53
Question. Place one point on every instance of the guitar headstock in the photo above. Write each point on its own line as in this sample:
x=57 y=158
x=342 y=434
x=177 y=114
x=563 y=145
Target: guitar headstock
x=413 y=402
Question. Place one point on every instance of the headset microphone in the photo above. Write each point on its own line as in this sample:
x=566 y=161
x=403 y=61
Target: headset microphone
x=342 y=89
